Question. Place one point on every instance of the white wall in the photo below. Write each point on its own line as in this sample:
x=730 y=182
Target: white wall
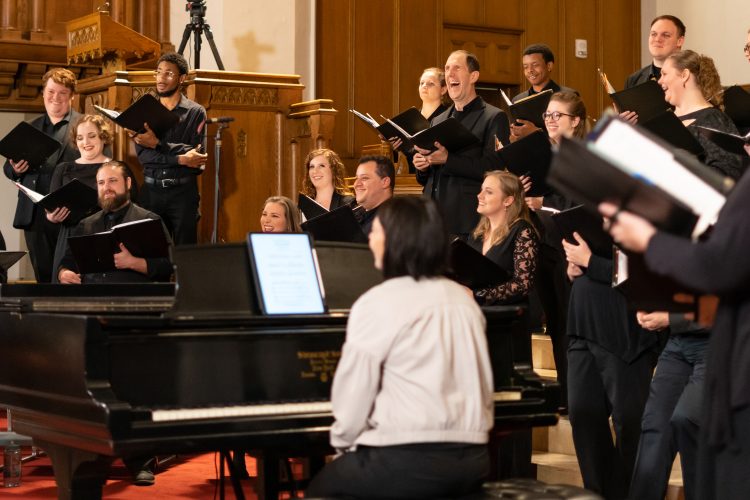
x=254 y=36
x=717 y=29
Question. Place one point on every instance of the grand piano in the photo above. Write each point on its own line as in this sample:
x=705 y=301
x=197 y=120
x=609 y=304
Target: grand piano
x=89 y=387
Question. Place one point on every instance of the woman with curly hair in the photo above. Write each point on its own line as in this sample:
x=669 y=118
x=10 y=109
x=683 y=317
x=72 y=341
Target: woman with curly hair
x=692 y=85
x=324 y=179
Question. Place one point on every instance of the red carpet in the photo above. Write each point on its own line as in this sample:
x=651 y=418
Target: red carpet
x=187 y=477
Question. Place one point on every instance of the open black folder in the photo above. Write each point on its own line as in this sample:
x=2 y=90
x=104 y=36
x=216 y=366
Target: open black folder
x=337 y=225
x=472 y=269
x=25 y=142
x=588 y=225
x=529 y=156
x=310 y=207
x=670 y=128
x=646 y=99
x=582 y=175
x=147 y=109
x=530 y=108
x=74 y=195
x=410 y=121
x=730 y=142
x=94 y=253
x=8 y=258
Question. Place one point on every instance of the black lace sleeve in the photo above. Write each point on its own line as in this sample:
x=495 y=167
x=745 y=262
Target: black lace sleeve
x=525 y=250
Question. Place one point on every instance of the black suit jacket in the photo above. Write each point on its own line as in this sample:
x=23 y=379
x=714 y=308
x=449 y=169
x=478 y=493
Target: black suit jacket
x=68 y=152
x=455 y=185
x=641 y=76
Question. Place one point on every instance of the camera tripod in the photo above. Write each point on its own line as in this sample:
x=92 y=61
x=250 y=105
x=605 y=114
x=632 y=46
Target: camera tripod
x=198 y=26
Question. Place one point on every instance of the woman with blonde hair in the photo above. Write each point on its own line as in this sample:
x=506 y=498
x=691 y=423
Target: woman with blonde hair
x=324 y=179
x=280 y=215
x=692 y=85
x=506 y=235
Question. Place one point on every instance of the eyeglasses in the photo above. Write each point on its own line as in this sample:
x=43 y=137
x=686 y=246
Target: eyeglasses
x=169 y=75
x=554 y=115
x=746 y=48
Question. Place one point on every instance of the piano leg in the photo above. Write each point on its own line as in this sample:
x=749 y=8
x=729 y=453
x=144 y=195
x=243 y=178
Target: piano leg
x=80 y=475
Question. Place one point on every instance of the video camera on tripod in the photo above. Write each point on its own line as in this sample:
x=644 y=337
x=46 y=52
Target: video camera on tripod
x=197 y=26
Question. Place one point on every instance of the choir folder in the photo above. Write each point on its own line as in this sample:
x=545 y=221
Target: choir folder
x=529 y=108
x=730 y=142
x=309 y=207
x=410 y=121
x=628 y=167
x=529 y=156
x=737 y=106
x=8 y=258
x=25 y=142
x=337 y=225
x=94 y=253
x=74 y=195
x=472 y=269
x=646 y=99
x=588 y=226
x=147 y=109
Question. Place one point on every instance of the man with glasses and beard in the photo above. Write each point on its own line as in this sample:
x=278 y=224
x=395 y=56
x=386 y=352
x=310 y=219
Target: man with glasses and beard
x=113 y=184
x=171 y=162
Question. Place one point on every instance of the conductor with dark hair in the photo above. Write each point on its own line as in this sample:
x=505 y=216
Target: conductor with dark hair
x=412 y=394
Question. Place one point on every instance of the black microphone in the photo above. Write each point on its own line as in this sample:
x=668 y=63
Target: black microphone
x=221 y=119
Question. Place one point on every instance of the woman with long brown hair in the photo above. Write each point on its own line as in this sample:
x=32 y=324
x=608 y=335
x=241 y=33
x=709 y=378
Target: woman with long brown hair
x=324 y=179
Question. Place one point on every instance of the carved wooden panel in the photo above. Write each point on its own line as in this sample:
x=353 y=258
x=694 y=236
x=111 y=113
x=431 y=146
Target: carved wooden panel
x=499 y=54
x=487 y=13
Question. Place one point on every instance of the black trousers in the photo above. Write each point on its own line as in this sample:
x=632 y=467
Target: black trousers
x=425 y=470
x=725 y=473
x=600 y=385
x=671 y=420
x=41 y=238
x=178 y=208
x=553 y=289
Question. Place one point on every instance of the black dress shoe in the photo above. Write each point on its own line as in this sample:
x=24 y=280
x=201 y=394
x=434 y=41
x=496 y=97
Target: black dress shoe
x=144 y=478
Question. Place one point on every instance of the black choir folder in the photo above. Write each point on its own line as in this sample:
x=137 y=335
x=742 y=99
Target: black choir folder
x=8 y=258
x=410 y=121
x=646 y=99
x=310 y=207
x=472 y=269
x=449 y=133
x=637 y=172
x=337 y=225
x=74 y=195
x=588 y=226
x=94 y=253
x=529 y=108
x=25 y=142
x=730 y=142
x=530 y=156
x=670 y=128
x=147 y=109
x=647 y=291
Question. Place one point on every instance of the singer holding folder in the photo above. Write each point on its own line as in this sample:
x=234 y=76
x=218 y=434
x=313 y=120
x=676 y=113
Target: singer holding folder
x=452 y=179
x=113 y=185
x=58 y=90
x=172 y=161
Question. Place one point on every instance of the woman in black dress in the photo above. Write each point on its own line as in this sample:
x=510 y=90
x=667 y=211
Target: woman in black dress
x=505 y=235
x=324 y=179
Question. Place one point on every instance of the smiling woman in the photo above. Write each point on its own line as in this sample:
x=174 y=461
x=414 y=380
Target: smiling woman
x=280 y=215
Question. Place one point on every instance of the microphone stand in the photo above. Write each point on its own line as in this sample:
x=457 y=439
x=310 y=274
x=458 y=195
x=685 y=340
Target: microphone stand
x=217 y=191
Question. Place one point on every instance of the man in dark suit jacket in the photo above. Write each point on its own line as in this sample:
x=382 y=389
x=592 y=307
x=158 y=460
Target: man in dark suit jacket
x=454 y=179
x=665 y=38
x=58 y=86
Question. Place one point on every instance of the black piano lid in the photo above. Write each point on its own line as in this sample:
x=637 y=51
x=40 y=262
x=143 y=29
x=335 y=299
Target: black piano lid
x=25 y=290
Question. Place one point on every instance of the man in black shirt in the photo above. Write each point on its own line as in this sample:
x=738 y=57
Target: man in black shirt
x=538 y=62
x=172 y=162
x=454 y=179
x=376 y=178
x=58 y=89
x=113 y=184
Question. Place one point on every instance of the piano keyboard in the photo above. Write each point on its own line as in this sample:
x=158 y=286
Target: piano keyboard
x=269 y=410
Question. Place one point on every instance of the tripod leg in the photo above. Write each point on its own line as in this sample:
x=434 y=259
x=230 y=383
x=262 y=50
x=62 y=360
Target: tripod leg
x=185 y=37
x=212 y=44
x=197 y=42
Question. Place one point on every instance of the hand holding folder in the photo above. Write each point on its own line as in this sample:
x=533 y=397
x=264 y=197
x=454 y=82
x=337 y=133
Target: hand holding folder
x=77 y=197
x=147 y=109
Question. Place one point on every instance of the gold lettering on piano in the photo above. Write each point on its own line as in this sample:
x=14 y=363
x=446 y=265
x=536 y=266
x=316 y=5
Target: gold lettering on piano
x=318 y=364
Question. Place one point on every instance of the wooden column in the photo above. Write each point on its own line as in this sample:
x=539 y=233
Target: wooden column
x=9 y=19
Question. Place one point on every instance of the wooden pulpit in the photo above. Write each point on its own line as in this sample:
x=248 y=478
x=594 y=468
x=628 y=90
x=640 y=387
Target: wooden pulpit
x=98 y=39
